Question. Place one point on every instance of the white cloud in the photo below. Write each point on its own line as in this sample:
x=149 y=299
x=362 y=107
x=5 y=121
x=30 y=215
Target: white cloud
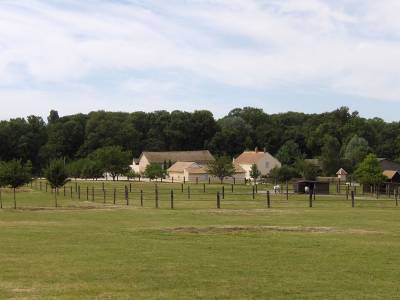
x=352 y=47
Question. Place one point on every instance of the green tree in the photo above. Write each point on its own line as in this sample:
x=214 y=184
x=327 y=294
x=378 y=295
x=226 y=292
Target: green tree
x=307 y=170
x=356 y=150
x=131 y=174
x=254 y=173
x=221 y=167
x=113 y=159
x=57 y=175
x=284 y=173
x=330 y=155
x=289 y=153
x=15 y=174
x=92 y=169
x=154 y=171
x=369 y=171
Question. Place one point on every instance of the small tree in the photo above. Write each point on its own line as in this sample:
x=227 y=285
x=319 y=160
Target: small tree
x=284 y=173
x=221 y=167
x=369 y=171
x=154 y=170
x=131 y=174
x=15 y=174
x=307 y=170
x=254 y=173
x=57 y=175
x=74 y=168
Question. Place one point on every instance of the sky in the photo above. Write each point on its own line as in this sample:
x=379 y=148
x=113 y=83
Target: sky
x=130 y=55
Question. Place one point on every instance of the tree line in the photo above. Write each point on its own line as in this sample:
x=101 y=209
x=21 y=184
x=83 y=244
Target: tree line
x=339 y=138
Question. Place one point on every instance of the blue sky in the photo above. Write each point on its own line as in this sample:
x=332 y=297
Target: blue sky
x=279 y=55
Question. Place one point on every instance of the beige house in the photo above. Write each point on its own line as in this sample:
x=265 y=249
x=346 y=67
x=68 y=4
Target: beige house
x=264 y=161
x=192 y=171
x=201 y=157
x=187 y=171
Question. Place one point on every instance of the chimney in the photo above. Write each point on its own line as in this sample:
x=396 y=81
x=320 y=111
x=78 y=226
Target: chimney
x=256 y=150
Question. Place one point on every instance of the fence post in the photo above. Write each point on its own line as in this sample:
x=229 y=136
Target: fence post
x=1 y=200
x=40 y=185
x=396 y=195
x=172 y=199
x=46 y=187
x=126 y=195
x=182 y=187
x=188 y=192
x=104 y=196
x=310 y=198
x=234 y=180
x=156 y=191
x=253 y=193
x=141 y=198
x=204 y=187
x=92 y=193
x=268 y=200
x=347 y=192
x=218 y=201
x=87 y=193
x=64 y=191
x=314 y=191
x=76 y=187
x=352 y=199
x=79 y=192
x=232 y=188
x=115 y=196
x=223 y=192
x=287 y=190
x=184 y=179
x=102 y=185
x=130 y=187
x=71 y=190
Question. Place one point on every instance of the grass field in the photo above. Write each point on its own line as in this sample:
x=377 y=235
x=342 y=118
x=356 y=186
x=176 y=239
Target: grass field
x=90 y=250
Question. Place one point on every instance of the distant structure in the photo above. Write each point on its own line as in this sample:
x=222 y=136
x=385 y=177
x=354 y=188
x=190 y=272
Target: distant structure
x=265 y=161
x=342 y=174
x=192 y=171
x=201 y=157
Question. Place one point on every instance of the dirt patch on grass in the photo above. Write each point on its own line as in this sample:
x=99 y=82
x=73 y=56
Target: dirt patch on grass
x=243 y=212
x=261 y=229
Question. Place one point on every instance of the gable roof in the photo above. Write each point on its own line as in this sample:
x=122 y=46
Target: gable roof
x=390 y=174
x=249 y=157
x=201 y=156
x=341 y=172
x=180 y=166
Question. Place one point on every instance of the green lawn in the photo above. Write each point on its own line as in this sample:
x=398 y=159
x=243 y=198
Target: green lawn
x=88 y=250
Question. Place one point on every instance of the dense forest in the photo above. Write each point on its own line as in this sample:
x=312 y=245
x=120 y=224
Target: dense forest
x=333 y=137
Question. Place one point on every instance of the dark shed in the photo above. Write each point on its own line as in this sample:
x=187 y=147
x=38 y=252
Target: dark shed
x=321 y=187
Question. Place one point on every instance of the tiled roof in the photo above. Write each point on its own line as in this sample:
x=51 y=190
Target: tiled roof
x=249 y=157
x=202 y=156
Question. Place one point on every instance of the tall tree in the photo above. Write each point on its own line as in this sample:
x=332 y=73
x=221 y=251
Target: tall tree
x=330 y=157
x=289 y=153
x=114 y=160
x=356 y=150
